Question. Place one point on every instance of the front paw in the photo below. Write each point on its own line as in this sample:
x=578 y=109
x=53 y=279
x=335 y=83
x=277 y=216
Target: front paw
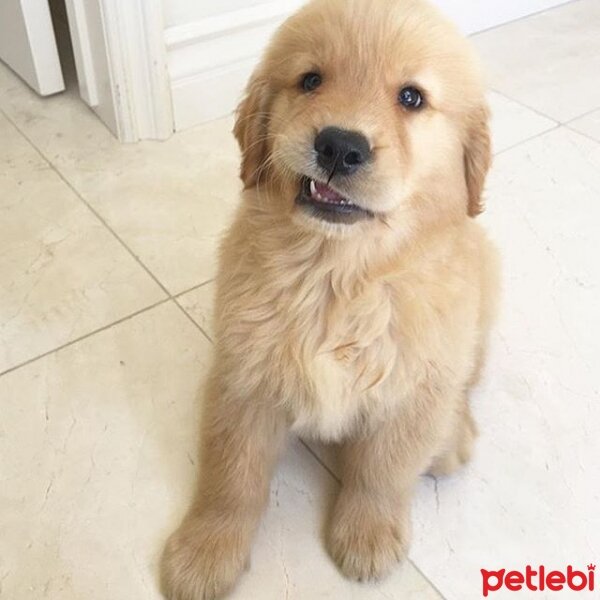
x=204 y=558
x=365 y=542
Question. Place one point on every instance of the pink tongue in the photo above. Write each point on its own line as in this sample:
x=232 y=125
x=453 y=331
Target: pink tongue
x=327 y=193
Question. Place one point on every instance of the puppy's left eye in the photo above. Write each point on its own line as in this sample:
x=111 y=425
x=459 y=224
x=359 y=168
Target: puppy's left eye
x=411 y=97
x=311 y=81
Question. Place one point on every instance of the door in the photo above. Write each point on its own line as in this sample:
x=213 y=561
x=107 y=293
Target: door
x=86 y=27
x=28 y=45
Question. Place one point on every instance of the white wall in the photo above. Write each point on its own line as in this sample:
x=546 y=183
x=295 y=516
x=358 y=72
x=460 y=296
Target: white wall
x=210 y=59
x=213 y=45
x=179 y=12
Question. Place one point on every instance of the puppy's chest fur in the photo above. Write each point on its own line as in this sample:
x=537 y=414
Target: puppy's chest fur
x=345 y=347
x=324 y=348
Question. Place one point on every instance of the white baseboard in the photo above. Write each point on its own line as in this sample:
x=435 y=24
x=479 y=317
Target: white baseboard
x=209 y=61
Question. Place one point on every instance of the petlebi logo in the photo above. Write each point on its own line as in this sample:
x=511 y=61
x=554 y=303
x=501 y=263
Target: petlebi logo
x=540 y=580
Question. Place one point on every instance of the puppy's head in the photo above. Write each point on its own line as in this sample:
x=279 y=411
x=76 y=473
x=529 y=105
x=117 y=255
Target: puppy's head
x=364 y=114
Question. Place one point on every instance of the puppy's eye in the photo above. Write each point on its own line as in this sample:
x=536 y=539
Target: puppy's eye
x=310 y=82
x=410 y=97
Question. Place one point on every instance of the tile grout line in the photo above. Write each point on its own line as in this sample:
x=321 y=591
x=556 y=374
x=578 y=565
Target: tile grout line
x=531 y=108
x=585 y=135
x=420 y=571
x=191 y=319
x=529 y=139
x=542 y=133
x=112 y=232
x=87 y=335
x=542 y=114
x=90 y=207
x=581 y=116
x=318 y=460
x=176 y=298
x=193 y=289
x=533 y=14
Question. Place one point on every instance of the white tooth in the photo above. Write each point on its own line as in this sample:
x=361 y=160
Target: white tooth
x=319 y=197
x=313 y=187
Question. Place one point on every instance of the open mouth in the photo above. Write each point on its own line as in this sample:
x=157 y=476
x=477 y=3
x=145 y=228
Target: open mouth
x=323 y=202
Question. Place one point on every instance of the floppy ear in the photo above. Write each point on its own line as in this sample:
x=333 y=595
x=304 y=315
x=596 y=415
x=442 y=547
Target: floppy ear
x=477 y=158
x=250 y=129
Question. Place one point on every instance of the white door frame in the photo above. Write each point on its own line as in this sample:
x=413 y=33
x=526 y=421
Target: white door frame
x=120 y=55
x=134 y=31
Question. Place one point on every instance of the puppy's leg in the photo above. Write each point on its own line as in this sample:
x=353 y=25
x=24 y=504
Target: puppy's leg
x=458 y=450
x=370 y=530
x=240 y=443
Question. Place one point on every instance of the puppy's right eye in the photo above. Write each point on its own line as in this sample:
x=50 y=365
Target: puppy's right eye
x=310 y=82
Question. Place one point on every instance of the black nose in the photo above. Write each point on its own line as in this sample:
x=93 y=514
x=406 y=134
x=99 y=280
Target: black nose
x=342 y=150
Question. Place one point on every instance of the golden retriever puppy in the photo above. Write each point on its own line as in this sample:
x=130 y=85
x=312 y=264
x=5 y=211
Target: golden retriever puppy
x=355 y=290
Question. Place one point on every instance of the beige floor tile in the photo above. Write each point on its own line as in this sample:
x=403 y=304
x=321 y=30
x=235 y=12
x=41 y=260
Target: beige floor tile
x=548 y=61
x=63 y=274
x=588 y=125
x=97 y=453
x=512 y=123
x=169 y=201
x=94 y=458
x=199 y=305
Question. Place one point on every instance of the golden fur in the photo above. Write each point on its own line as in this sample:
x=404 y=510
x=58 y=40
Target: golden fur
x=368 y=334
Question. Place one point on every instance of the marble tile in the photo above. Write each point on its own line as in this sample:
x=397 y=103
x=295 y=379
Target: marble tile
x=513 y=123
x=169 y=201
x=549 y=61
x=97 y=452
x=531 y=494
x=94 y=457
x=588 y=125
x=63 y=274
x=199 y=305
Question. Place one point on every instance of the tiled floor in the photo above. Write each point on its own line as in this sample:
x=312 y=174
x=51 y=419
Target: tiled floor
x=106 y=257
